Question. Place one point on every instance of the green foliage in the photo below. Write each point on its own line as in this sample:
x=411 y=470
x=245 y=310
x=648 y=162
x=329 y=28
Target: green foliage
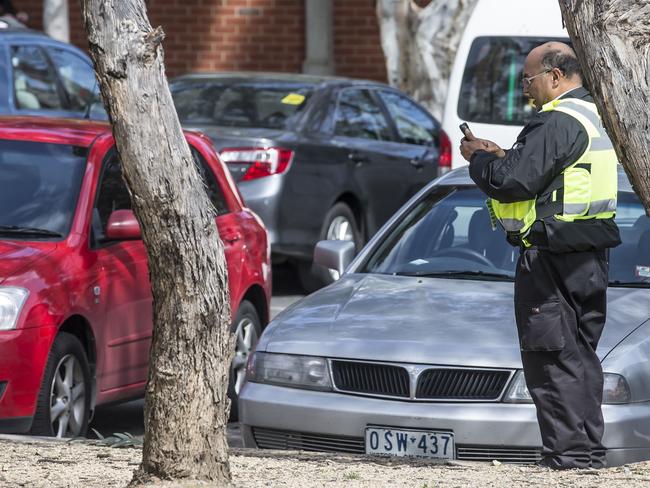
x=118 y=439
x=351 y=476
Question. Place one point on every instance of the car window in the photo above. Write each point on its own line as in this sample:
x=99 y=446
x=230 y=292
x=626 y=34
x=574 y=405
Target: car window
x=413 y=124
x=77 y=78
x=491 y=90
x=35 y=86
x=212 y=187
x=630 y=260
x=39 y=184
x=112 y=194
x=262 y=104
x=450 y=230
x=358 y=115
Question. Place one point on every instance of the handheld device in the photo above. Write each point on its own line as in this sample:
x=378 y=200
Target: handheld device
x=464 y=128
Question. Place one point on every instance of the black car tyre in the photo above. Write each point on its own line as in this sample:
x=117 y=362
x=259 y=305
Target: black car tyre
x=339 y=224
x=247 y=328
x=63 y=404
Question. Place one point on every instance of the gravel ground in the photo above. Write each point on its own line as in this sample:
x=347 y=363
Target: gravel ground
x=39 y=464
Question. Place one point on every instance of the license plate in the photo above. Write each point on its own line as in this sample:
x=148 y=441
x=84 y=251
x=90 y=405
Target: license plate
x=416 y=443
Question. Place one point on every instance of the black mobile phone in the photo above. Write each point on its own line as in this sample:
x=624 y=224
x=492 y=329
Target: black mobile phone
x=464 y=128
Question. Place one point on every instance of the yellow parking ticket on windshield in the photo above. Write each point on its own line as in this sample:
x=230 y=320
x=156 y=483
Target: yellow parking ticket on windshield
x=293 y=99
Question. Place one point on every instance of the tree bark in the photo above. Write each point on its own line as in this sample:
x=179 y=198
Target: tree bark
x=186 y=404
x=612 y=41
x=420 y=44
x=56 y=19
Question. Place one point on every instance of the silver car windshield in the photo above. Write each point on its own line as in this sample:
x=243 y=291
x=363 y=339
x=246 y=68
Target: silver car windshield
x=448 y=233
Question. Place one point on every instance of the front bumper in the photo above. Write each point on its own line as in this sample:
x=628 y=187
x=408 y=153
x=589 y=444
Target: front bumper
x=477 y=427
x=23 y=355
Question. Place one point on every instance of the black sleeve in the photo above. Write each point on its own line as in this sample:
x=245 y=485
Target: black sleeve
x=548 y=144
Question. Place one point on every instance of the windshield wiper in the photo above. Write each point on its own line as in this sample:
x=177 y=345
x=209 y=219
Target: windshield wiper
x=460 y=274
x=630 y=284
x=27 y=231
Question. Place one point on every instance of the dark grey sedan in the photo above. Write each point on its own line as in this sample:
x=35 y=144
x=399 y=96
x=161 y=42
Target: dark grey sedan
x=414 y=351
x=316 y=158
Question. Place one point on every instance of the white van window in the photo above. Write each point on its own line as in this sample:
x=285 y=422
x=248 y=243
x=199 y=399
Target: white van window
x=491 y=91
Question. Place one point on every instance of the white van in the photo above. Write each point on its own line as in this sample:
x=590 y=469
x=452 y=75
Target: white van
x=485 y=84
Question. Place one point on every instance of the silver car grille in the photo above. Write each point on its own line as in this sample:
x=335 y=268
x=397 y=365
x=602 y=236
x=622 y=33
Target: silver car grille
x=415 y=382
x=298 y=441
x=461 y=384
x=371 y=378
x=517 y=455
x=283 y=439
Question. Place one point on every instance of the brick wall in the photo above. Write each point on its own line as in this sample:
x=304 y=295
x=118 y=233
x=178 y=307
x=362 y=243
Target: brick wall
x=247 y=35
x=357 y=46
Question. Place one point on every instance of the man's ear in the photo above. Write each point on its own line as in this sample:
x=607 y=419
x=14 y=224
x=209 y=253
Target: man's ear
x=557 y=74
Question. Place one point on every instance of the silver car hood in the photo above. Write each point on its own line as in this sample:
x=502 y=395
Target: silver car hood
x=424 y=320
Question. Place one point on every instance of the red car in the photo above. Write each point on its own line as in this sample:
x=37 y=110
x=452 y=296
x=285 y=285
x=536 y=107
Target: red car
x=75 y=299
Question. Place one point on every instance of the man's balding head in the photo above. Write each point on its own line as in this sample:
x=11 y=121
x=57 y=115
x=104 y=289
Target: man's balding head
x=559 y=68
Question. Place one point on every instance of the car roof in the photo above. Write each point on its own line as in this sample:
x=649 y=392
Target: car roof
x=10 y=32
x=244 y=76
x=58 y=130
x=78 y=132
x=460 y=177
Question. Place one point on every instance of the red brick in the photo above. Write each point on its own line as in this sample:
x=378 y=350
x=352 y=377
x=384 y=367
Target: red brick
x=214 y=35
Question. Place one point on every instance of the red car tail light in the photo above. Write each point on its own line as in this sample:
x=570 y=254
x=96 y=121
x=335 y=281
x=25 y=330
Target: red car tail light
x=263 y=161
x=444 y=160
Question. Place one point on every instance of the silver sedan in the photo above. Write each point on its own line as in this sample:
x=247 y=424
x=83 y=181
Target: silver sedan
x=414 y=351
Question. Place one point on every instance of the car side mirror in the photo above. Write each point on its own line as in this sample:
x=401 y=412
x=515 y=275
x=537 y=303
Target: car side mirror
x=122 y=226
x=336 y=255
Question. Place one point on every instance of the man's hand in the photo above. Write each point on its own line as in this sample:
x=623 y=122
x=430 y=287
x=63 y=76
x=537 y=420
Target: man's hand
x=469 y=146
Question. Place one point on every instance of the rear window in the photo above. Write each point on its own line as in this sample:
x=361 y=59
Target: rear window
x=266 y=104
x=491 y=91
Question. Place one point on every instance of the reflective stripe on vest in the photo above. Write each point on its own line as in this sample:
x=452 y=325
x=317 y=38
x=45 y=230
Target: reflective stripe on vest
x=586 y=189
x=590 y=184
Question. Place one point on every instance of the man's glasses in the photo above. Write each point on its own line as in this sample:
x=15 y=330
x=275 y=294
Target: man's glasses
x=527 y=81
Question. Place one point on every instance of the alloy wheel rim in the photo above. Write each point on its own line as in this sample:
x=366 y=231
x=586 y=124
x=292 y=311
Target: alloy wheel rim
x=245 y=340
x=340 y=229
x=67 y=398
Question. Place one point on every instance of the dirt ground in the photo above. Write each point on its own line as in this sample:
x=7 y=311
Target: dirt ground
x=53 y=464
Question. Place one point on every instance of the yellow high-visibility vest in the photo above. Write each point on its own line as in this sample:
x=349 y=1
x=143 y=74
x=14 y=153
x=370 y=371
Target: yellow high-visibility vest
x=586 y=189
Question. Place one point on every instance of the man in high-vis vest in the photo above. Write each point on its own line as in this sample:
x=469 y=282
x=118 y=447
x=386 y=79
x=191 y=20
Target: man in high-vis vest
x=554 y=194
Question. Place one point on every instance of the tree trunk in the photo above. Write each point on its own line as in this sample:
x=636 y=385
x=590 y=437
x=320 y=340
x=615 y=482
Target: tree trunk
x=612 y=41
x=186 y=404
x=420 y=43
x=56 y=19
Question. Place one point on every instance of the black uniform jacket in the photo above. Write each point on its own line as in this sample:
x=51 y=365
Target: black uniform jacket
x=547 y=145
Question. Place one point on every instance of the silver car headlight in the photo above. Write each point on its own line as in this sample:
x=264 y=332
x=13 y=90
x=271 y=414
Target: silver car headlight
x=289 y=370
x=518 y=391
x=615 y=389
x=12 y=300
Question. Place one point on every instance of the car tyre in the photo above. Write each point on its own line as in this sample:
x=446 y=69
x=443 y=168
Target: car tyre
x=247 y=328
x=63 y=404
x=339 y=224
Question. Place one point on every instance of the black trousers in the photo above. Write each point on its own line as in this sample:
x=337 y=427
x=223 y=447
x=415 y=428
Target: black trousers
x=560 y=306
